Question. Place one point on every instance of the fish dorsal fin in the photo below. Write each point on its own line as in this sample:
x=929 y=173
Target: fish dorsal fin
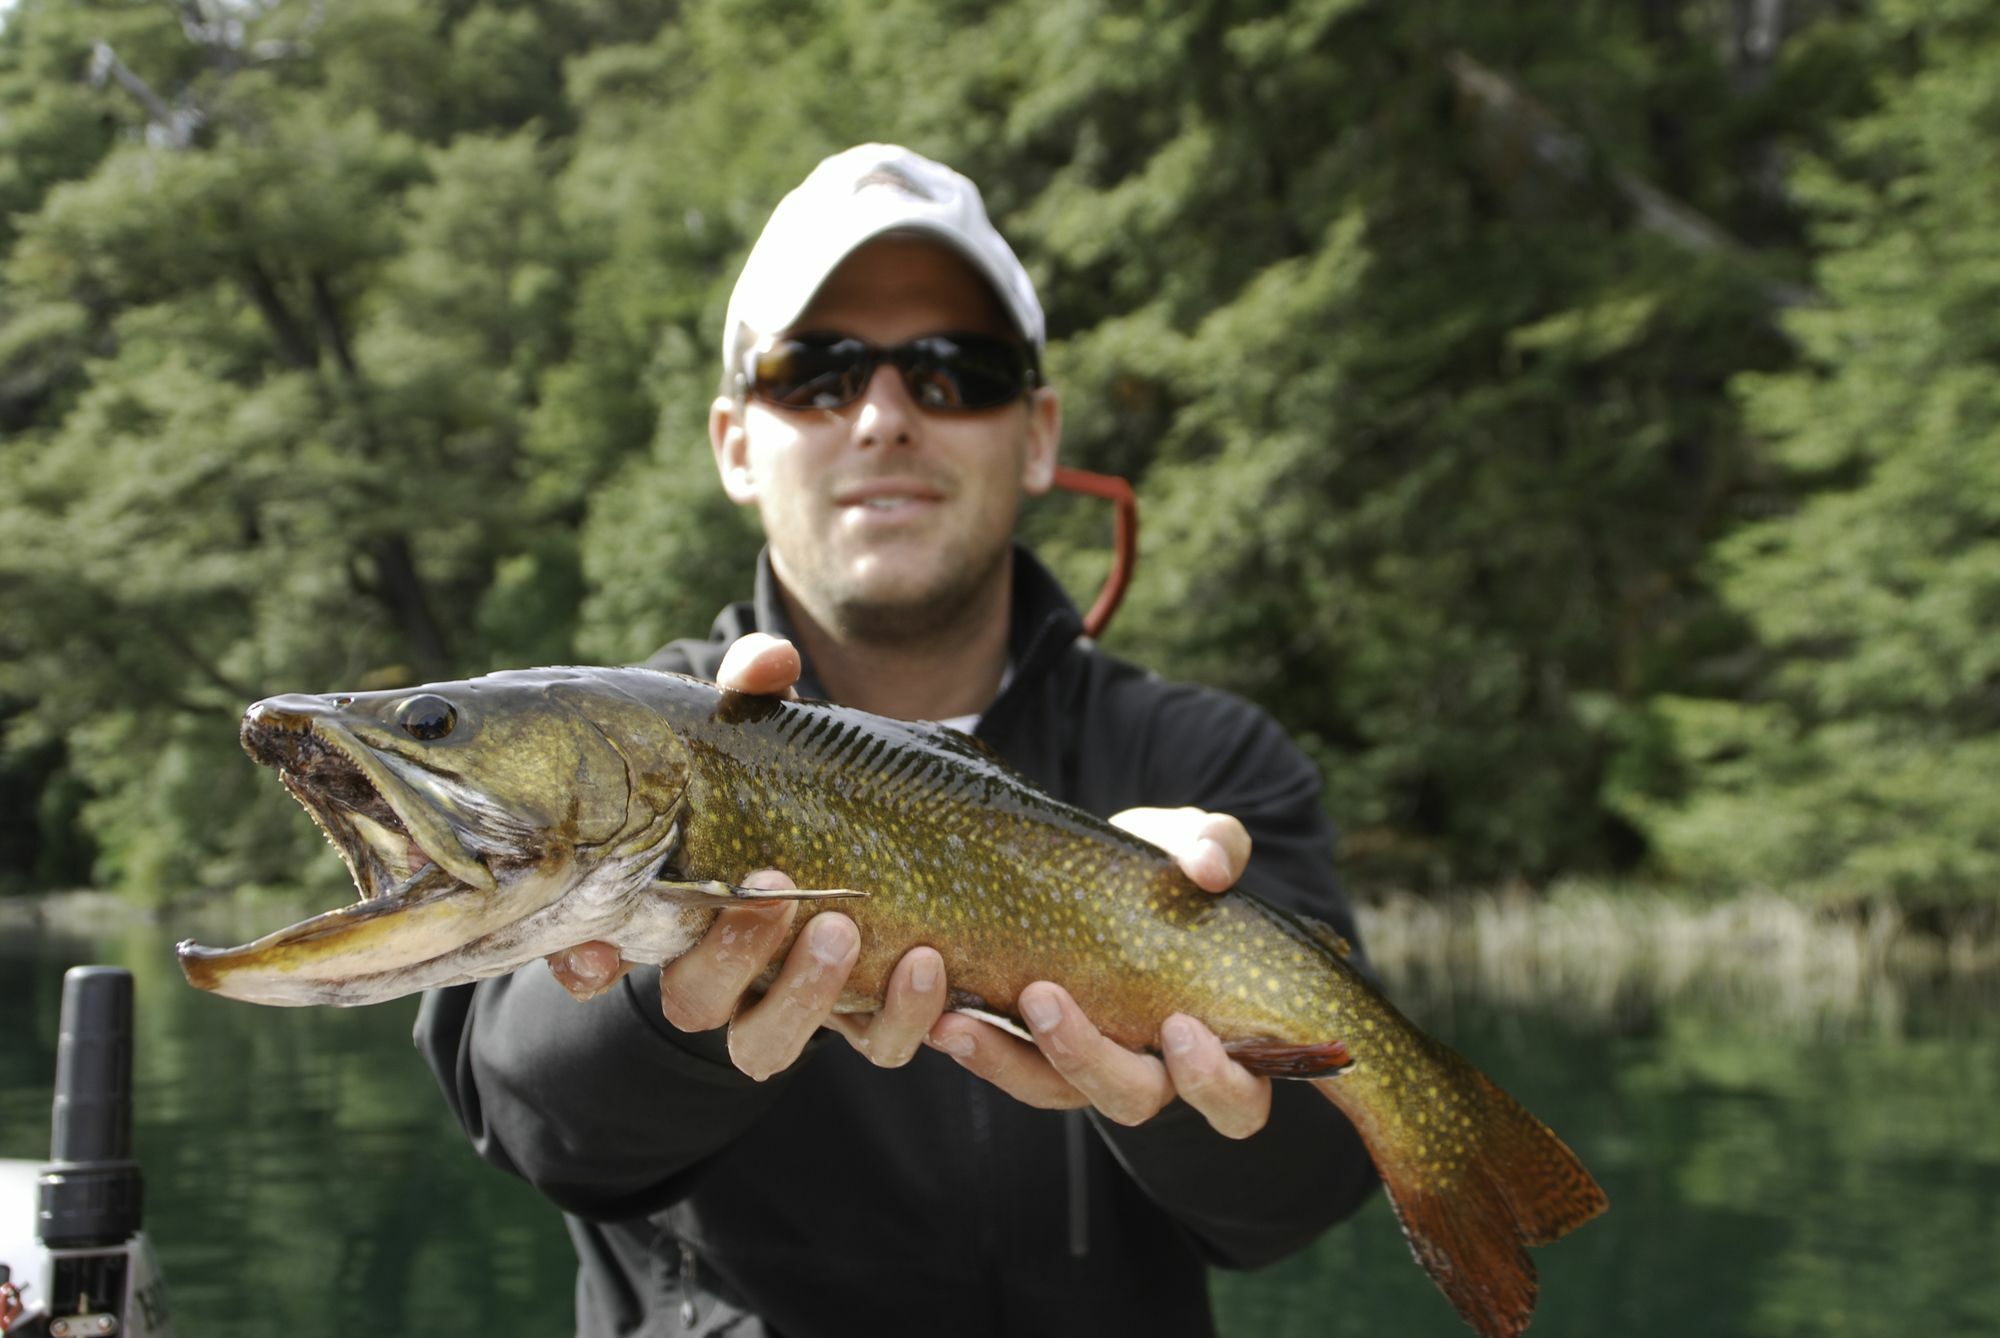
x=955 y=741
x=746 y=708
x=920 y=736
x=743 y=708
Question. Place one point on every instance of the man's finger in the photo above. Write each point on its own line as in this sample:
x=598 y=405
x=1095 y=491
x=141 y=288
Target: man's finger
x=910 y=1007
x=769 y=1034
x=1219 y=853
x=1127 y=1088
x=700 y=989
x=1235 y=1101
x=1211 y=848
x=1015 y=1067
x=588 y=969
x=760 y=663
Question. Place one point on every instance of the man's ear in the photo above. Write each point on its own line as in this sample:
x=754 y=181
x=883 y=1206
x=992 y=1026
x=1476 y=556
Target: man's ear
x=1038 y=464
x=729 y=438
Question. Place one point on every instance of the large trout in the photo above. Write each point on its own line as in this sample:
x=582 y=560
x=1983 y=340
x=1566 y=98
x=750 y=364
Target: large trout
x=489 y=822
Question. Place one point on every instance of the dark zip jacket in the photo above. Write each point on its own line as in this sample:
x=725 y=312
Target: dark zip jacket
x=839 y=1198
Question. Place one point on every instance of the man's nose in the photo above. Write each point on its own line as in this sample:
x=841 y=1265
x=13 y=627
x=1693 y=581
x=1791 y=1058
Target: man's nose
x=887 y=416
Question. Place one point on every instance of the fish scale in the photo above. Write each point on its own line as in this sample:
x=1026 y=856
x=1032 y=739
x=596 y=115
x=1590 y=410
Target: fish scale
x=538 y=809
x=962 y=847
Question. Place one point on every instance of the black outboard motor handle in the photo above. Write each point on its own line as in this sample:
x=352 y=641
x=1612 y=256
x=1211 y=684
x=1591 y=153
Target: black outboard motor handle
x=92 y=1194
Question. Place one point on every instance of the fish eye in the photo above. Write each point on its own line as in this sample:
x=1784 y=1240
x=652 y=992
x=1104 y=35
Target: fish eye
x=426 y=717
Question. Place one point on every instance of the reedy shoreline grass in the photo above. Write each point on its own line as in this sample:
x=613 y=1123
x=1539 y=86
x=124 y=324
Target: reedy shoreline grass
x=1604 y=949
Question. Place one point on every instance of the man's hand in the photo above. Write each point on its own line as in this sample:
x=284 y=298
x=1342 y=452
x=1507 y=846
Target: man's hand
x=756 y=663
x=1072 y=1064
x=762 y=664
x=705 y=987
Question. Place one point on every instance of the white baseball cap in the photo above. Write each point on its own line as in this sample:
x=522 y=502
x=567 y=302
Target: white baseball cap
x=851 y=198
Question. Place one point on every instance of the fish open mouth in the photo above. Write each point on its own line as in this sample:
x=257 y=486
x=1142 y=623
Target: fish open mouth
x=400 y=848
x=362 y=825
x=394 y=842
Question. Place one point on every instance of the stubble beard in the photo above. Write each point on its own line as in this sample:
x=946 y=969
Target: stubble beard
x=941 y=612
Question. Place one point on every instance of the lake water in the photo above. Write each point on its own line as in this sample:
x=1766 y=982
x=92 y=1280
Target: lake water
x=1770 y=1174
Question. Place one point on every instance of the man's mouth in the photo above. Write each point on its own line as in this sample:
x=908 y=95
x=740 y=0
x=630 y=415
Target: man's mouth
x=883 y=496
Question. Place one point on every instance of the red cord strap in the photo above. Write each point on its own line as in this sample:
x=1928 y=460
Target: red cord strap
x=1124 y=539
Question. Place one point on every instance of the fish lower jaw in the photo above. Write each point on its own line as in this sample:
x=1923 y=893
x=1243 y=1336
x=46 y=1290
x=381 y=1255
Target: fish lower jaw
x=431 y=929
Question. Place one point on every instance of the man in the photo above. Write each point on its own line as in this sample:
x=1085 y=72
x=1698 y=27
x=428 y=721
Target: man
x=751 y=1163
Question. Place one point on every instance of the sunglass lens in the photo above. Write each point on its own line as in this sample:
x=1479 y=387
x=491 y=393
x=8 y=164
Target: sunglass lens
x=963 y=371
x=943 y=372
x=812 y=373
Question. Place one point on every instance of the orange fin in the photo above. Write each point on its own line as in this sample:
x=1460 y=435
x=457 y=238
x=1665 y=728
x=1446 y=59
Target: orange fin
x=1278 y=1060
x=1469 y=1214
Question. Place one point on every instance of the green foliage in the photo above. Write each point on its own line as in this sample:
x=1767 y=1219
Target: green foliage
x=355 y=344
x=1428 y=466
x=1858 y=754
x=273 y=348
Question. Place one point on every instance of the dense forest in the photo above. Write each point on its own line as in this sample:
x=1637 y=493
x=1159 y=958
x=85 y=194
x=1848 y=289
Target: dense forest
x=1578 y=423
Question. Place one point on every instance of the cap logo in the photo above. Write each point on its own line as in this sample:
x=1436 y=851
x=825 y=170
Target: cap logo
x=895 y=180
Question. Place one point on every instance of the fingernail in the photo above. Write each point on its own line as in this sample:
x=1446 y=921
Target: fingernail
x=1177 y=1036
x=1210 y=851
x=1042 y=1012
x=767 y=880
x=826 y=938
x=958 y=1043
x=924 y=974
x=584 y=983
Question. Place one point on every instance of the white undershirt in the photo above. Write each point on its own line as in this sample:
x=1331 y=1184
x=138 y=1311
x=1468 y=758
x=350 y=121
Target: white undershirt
x=966 y=724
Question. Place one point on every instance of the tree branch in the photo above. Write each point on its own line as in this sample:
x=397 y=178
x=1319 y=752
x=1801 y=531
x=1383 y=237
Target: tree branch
x=1524 y=124
x=401 y=588
x=167 y=126
x=295 y=343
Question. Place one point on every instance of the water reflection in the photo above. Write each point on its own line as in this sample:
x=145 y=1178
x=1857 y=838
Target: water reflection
x=1772 y=1172
x=301 y=1174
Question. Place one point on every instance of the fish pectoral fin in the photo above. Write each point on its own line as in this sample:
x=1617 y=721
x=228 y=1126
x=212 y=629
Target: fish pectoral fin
x=1000 y=1020
x=714 y=892
x=1279 y=1060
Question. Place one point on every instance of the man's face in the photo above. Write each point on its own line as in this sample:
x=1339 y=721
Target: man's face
x=884 y=519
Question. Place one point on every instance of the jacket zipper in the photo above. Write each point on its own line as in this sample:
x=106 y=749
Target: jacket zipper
x=1075 y=1135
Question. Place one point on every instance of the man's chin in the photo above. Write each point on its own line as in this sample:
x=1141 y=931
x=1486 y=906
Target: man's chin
x=904 y=606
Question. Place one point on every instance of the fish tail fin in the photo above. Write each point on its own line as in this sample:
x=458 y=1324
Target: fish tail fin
x=1473 y=1186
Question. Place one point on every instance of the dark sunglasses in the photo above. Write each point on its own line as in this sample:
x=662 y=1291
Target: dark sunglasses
x=947 y=373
